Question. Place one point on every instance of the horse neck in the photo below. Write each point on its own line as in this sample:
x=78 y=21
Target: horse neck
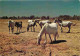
x=42 y=31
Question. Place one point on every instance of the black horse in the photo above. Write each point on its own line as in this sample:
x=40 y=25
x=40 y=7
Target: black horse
x=19 y=26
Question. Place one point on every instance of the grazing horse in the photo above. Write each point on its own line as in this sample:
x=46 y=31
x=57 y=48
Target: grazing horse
x=41 y=23
x=64 y=24
x=11 y=25
x=48 y=29
x=18 y=25
x=31 y=24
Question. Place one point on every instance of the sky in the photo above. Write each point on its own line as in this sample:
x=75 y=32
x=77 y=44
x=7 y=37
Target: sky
x=39 y=7
x=40 y=0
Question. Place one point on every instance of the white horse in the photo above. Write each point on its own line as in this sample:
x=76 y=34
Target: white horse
x=48 y=29
x=31 y=24
x=64 y=24
x=11 y=25
x=29 y=21
x=41 y=23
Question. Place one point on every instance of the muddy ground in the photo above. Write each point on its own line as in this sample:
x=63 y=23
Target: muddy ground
x=24 y=43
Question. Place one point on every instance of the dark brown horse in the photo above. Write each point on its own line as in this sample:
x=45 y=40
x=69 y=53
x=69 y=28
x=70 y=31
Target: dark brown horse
x=19 y=26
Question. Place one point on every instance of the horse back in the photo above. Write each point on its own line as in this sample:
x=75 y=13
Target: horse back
x=18 y=24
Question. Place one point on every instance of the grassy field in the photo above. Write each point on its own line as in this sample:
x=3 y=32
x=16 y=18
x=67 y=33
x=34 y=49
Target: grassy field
x=24 y=44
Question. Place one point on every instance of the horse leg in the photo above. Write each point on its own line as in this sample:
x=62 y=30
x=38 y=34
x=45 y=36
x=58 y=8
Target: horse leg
x=41 y=26
x=17 y=29
x=31 y=29
x=9 y=30
x=21 y=29
x=50 y=38
x=61 y=29
x=54 y=37
x=45 y=39
x=69 y=29
x=12 y=30
x=40 y=37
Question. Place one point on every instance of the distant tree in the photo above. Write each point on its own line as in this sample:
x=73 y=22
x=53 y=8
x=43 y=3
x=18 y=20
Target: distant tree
x=78 y=18
x=47 y=17
x=64 y=17
x=75 y=17
x=18 y=17
x=43 y=17
x=32 y=17
x=4 y=17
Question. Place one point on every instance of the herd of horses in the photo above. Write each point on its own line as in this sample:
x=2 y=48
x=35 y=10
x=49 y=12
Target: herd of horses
x=47 y=27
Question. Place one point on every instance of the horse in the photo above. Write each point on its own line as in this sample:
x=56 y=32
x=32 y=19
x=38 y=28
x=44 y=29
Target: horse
x=48 y=29
x=37 y=20
x=19 y=26
x=11 y=25
x=41 y=23
x=31 y=24
x=64 y=24
x=30 y=21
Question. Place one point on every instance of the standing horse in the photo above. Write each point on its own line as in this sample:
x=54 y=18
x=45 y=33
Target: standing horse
x=48 y=29
x=11 y=25
x=64 y=24
x=31 y=24
x=41 y=23
x=29 y=21
x=19 y=26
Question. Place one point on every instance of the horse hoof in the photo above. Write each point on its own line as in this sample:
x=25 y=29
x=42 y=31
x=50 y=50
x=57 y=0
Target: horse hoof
x=68 y=32
x=51 y=42
x=38 y=43
x=61 y=31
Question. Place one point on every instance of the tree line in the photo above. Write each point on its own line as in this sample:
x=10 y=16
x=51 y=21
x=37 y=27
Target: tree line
x=64 y=17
